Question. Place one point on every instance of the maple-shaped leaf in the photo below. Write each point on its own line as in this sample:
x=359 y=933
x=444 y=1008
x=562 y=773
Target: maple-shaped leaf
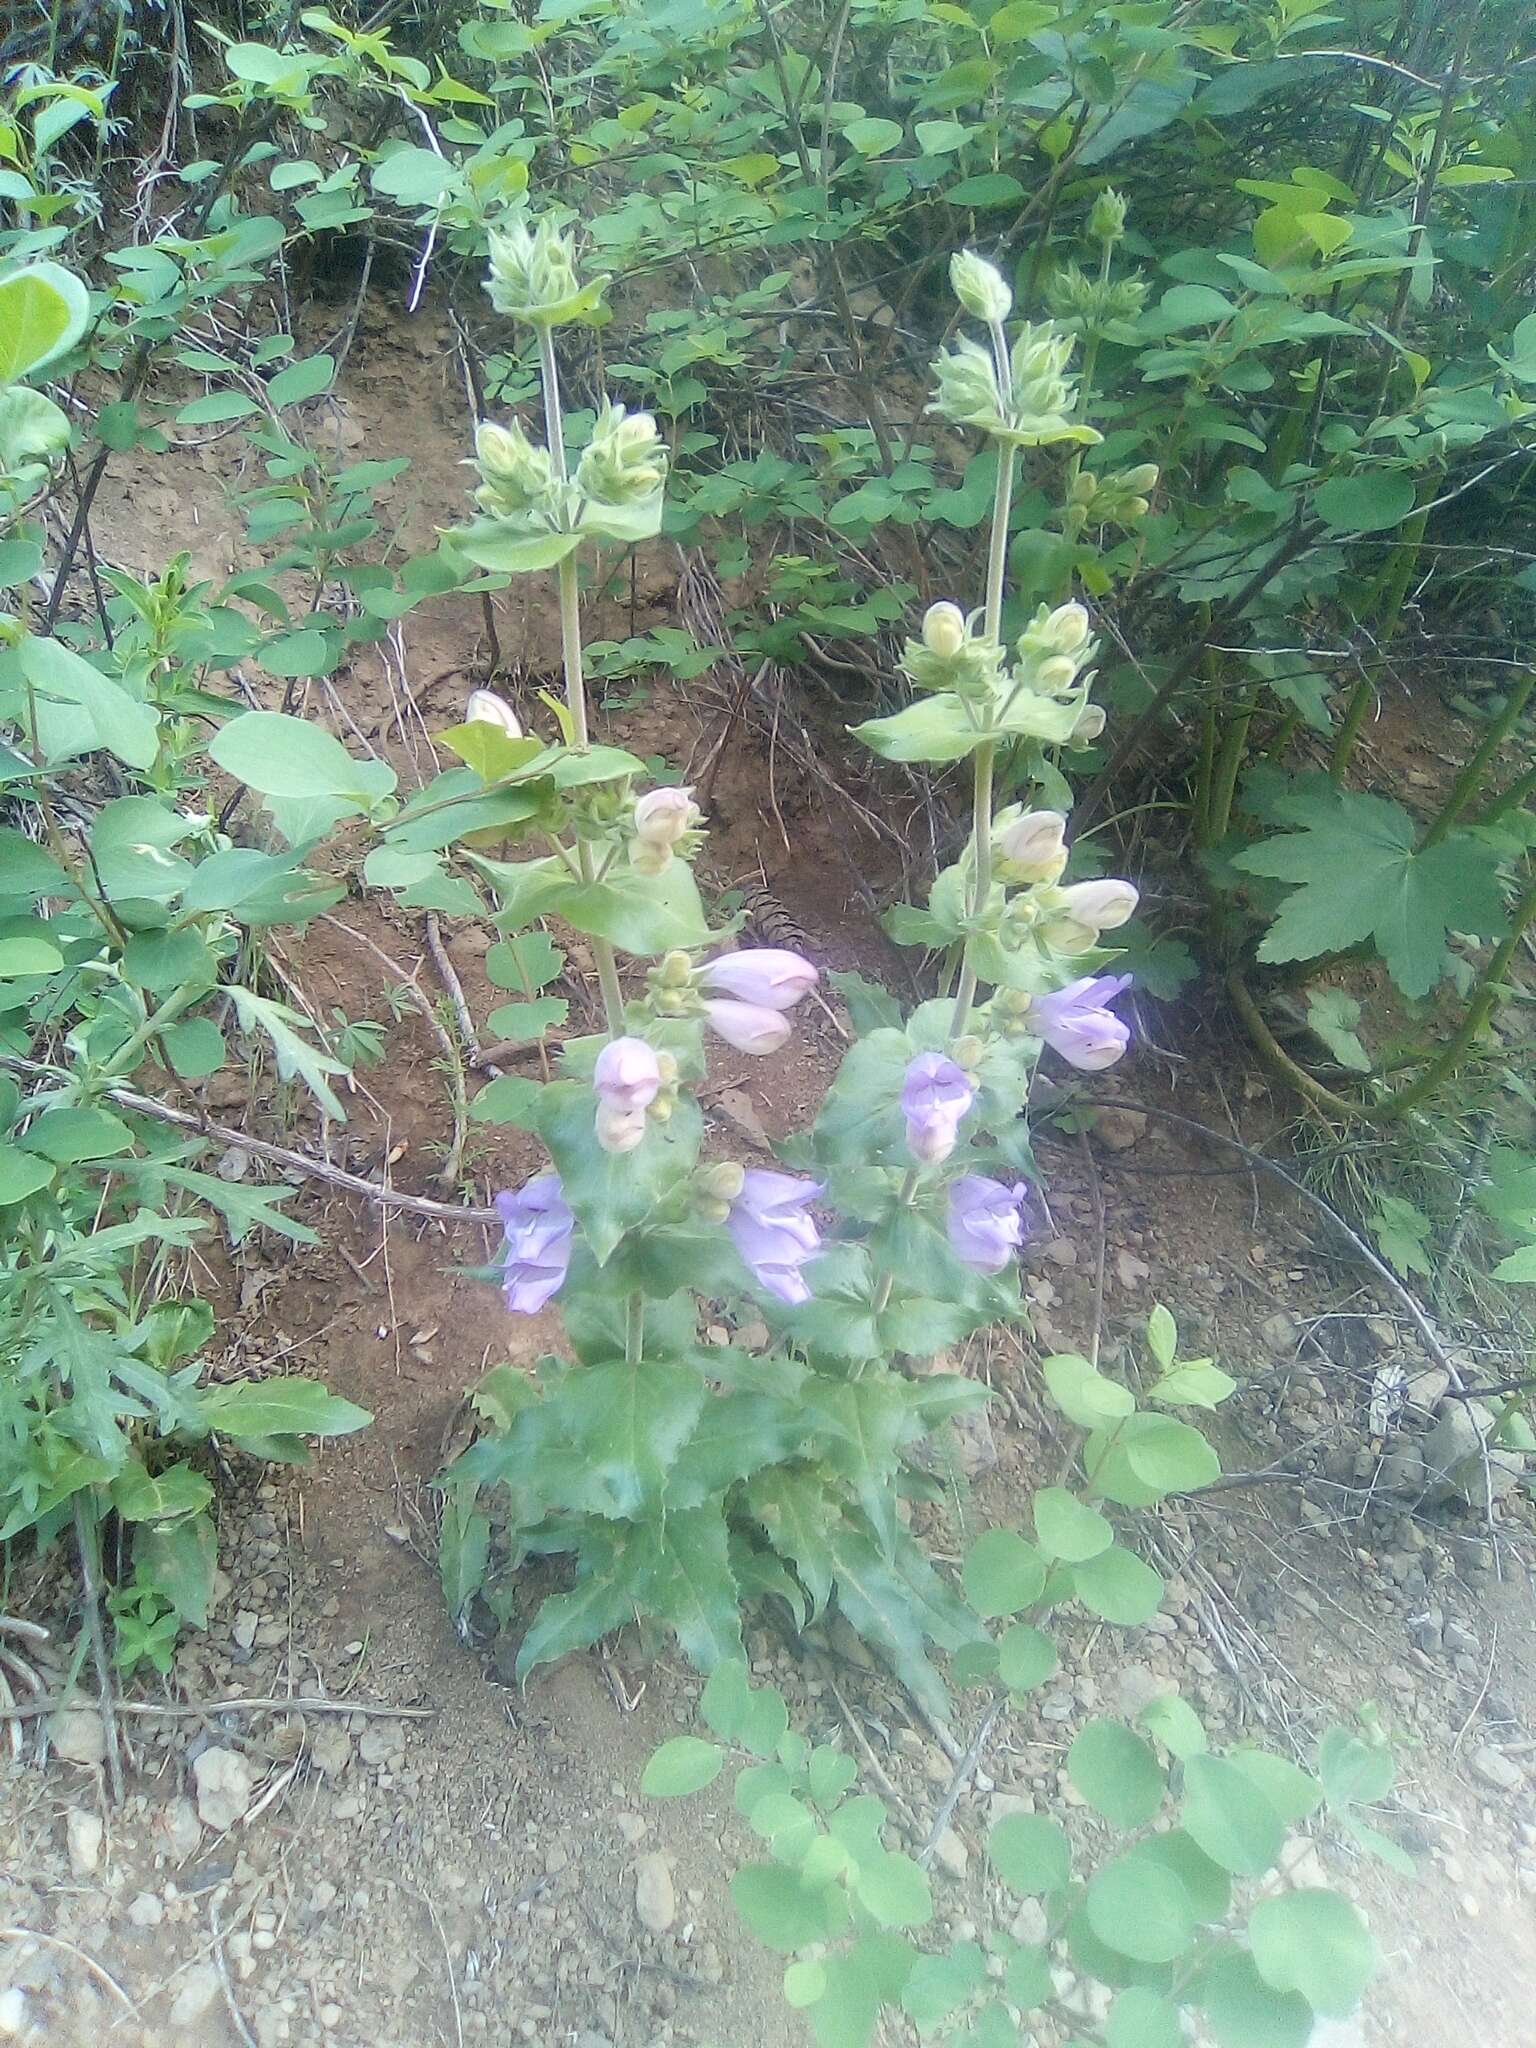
x=1358 y=877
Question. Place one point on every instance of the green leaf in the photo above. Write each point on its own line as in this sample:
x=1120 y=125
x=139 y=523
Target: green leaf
x=940 y=1985
x=1068 y=1528
x=167 y=1496
x=895 y=1890
x=1359 y=877
x=179 y=1560
x=1031 y=1854
x=1171 y=1456
x=1193 y=1383
x=683 y=1765
x=875 y=137
x=1162 y=1336
x=1116 y=1772
x=1119 y=1587
x=290 y=757
x=933 y=729
x=283 y=1406
x=1225 y=1814
x=21 y=1174
x=641 y=914
x=1352 y=1771
x=196 y=1048
x=1333 y=1016
x=796 y=1514
x=523 y=1023
x=683 y=1577
x=1026 y=1657
x=1176 y=1725
x=1367 y=502
x=1003 y=1574
x=899 y=1605
x=754 y=1718
x=80 y=709
x=526 y=963
x=781 y=1910
x=613 y=1433
x=217 y=408
x=1083 y=1395
x=293 y=656
x=1140 y=2018
x=69 y=1136
x=1314 y=1943
x=1209 y=1887
x=44 y=310
x=296 y=1058
x=20 y=957
x=508 y=550
x=1242 y=2011
x=1140 y=1911
x=302 y=380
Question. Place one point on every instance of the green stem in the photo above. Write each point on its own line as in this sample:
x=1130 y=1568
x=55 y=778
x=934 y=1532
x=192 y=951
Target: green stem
x=981 y=843
x=1445 y=1063
x=575 y=680
x=888 y=1280
x=1469 y=780
x=1384 y=602
x=1511 y=800
x=1356 y=712
x=634 y=1328
x=1228 y=768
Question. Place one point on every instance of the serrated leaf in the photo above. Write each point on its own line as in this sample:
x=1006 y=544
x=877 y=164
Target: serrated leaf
x=1358 y=877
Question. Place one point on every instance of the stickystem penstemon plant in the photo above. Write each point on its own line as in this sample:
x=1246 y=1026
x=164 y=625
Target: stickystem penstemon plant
x=685 y=1478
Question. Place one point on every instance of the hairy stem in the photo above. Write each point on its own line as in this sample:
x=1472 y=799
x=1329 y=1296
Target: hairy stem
x=1469 y=781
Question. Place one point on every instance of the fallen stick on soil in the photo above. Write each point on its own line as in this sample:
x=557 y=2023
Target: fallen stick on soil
x=960 y=1780
x=174 y=1710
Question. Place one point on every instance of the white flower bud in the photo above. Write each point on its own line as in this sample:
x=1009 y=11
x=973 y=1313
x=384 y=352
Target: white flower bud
x=1091 y=722
x=1068 y=935
x=979 y=286
x=624 y=461
x=1068 y=628
x=944 y=629
x=1106 y=222
x=1033 y=848
x=1057 y=672
x=486 y=708
x=1103 y=905
x=663 y=816
x=619 y=1130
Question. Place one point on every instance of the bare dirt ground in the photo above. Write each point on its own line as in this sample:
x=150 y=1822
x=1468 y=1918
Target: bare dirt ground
x=449 y=1858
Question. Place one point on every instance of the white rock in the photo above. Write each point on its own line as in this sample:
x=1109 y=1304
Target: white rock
x=655 y=1895
x=83 y=1832
x=244 y=1630
x=1030 y=1924
x=147 y=1910
x=177 y=1829
x=13 y=2013
x=951 y=1854
x=78 y=1736
x=1492 y=1768
x=197 y=1990
x=223 y=1781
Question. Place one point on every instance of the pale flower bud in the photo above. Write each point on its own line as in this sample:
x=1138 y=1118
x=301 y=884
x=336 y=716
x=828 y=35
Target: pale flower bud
x=1033 y=847
x=1068 y=628
x=533 y=276
x=486 y=708
x=967 y=386
x=1102 y=905
x=516 y=476
x=1090 y=723
x=979 y=286
x=628 y=1074
x=663 y=816
x=1069 y=935
x=747 y=1026
x=1142 y=478
x=1106 y=223
x=619 y=1130
x=1057 y=672
x=944 y=629
x=649 y=857
x=721 y=1181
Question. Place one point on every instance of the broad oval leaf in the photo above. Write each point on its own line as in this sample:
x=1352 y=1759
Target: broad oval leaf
x=683 y=1765
x=1117 y=1773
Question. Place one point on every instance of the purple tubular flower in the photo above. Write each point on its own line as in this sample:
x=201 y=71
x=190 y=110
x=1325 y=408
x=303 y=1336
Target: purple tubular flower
x=1078 y=1023
x=538 y=1225
x=769 y=976
x=627 y=1074
x=771 y=1226
x=986 y=1221
x=935 y=1095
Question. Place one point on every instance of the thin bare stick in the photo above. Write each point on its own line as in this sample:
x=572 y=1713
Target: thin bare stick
x=68 y=1948
x=960 y=1780
x=876 y=1769
x=453 y=1988
x=221 y=1962
x=85 y=1545
x=175 y=1710
x=296 y=1162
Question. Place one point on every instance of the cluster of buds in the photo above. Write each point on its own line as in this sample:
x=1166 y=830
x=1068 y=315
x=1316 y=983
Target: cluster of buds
x=664 y=821
x=1104 y=306
x=715 y=1187
x=743 y=997
x=1070 y=920
x=952 y=656
x=1052 y=679
x=1034 y=411
x=635 y=1086
x=517 y=478
x=1119 y=499
x=624 y=461
x=534 y=277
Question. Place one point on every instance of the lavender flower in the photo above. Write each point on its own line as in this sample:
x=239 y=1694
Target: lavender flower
x=773 y=1230
x=538 y=1226
x=627 y=1074
x=769 y=976
x=747 y=1026
x=935 y=1096
x=986 y=1221
x=1077 y=1022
